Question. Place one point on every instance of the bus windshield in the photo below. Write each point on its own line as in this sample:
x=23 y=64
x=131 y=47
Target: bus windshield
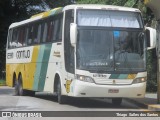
x=108 y=49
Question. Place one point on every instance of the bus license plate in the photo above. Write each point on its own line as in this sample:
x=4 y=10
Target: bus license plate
x=113 y=91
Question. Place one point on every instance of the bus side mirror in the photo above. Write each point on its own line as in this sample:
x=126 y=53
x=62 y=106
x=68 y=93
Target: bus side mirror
x=73 y=34
x=151 y=37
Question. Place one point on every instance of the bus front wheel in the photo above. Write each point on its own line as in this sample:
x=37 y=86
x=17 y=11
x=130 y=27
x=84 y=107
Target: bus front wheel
x=60 y=97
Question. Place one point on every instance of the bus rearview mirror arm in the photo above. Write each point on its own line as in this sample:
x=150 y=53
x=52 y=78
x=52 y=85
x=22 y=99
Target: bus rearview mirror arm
x=73 y=34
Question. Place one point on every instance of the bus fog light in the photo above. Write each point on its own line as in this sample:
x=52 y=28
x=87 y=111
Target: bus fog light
x=139 y=80
x=84 y=78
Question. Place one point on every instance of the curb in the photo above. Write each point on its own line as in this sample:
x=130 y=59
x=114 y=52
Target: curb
x=153 y=107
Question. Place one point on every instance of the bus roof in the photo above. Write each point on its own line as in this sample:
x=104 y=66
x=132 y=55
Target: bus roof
x=75 y=6
x=38 y=16
x=98 y=6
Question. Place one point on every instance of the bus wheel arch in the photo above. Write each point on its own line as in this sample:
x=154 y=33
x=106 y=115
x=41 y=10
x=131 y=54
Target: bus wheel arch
x=20 y=78
x=15 y=84
x=19 y=86
x=56 y=80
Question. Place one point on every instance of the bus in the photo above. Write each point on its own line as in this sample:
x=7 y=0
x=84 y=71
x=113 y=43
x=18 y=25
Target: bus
x=96 y=51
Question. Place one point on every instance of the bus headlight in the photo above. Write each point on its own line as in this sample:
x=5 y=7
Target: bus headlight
x=84 y=78
x=139 y=80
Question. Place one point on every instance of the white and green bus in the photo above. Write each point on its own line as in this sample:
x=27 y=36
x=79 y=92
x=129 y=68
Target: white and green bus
x=79 y=51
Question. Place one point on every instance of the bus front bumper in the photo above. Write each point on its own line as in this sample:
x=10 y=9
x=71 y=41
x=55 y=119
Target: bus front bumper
x=86 y=89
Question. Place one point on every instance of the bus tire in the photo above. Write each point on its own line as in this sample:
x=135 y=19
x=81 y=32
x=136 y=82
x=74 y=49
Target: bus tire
x=31 y=93
x=117 y=101
x=20 y=87
x=16 y=89
x=60 y=98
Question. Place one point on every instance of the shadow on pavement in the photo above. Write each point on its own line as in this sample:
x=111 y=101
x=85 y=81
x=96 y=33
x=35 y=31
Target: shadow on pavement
x=90 y=102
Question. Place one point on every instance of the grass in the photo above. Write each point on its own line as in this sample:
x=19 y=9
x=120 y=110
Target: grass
x=2 y=82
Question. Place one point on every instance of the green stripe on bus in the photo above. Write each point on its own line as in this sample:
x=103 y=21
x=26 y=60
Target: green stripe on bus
x=44 y=66
x=38 y=67
x=118 y=76
x=114 y=76
x=123 y=76
x=55 y=11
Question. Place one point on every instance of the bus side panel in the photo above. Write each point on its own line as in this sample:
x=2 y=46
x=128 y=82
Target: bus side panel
x=41 y=67
x=56 y=66
x=27 y=68
x=30 y=69
x=10 y=70
x=9 y=75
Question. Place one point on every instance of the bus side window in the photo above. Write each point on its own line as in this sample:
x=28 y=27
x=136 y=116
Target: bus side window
x=42 y=32
x=60 y=29
x=158 y=39
x=35 y=34
x=9 y=38
x=30 y=35
x=26 y=35
x=21 y=37
x=49 y=29
x=44 y=38
x=14 y=38
x=52 y=30
x=57 y=32
x=39 y=33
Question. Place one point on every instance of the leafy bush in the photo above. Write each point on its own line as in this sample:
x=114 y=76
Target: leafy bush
x=151 y=71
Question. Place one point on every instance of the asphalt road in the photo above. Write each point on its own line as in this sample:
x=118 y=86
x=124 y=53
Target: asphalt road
x=44 y=101
x=47 y=102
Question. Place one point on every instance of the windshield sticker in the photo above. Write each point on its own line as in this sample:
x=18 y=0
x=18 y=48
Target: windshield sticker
x=116 y=33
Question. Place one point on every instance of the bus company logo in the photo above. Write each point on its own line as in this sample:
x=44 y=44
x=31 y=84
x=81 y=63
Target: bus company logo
x=6 y=114
x=23 y=54
x=10 y=55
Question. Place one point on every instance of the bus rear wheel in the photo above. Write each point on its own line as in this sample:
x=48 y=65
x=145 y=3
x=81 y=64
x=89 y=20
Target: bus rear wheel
x=117 y=101
x=18 y=87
